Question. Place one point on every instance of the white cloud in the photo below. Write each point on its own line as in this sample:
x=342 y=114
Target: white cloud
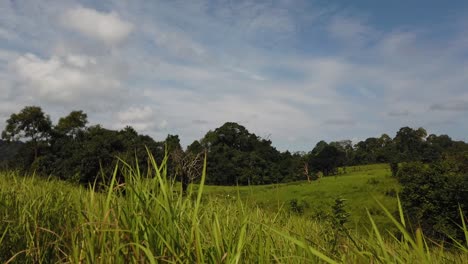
x=80 y=61
x=63 y=79
x=143 y=119
x=136 y=114
x=109 y=28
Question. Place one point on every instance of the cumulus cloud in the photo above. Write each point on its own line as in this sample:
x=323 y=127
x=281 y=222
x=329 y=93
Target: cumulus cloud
x=109 y=28
x=63 y=79
x=143 y=119
x=136 y=114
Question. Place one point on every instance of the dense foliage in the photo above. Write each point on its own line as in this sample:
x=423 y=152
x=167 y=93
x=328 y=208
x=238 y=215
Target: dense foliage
x=434 y=194
x=239 y=157
x=70 y=150
x=74 y=151
x=8 y=151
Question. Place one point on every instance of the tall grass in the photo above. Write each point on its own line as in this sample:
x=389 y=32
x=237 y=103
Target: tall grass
x=148 y=220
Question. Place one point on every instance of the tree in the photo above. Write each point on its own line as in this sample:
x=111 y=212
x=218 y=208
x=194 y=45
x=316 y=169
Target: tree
x=30 y=124
x=72 y=124
x=319 y=147
x=410 y=143
x=98 y=151
x=195 y=147
x=188 y=166
x=345 y=146
x=172 y=146
x=172 y=143
x=236 y=156
x=327 y=160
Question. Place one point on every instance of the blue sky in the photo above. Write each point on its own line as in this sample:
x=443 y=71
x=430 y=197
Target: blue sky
x=294 y=71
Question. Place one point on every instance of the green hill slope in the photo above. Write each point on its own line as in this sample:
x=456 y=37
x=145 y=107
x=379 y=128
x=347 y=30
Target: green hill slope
x=361 y=186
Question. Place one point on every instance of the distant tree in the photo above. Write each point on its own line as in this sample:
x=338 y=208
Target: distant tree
x=195 y=147
x=173 y=147
x=327 y=160
x=136 y=147
x=98 y=151
x=188 y=166
x=72 y=124
x=30 y=124
x=291 y=166
x=236 y=156
x=319 y=147
x=172 y=143
x=410 y=143
x=345 y=146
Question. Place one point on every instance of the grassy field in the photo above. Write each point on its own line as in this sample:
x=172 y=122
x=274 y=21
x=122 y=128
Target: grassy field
x=361 y=186
x=149 y=221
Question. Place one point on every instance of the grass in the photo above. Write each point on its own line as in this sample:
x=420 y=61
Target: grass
x=361 y=186
x=149 y=221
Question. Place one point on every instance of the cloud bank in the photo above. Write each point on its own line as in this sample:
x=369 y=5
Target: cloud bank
x=294 y=71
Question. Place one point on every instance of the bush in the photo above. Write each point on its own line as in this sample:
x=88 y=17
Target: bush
x=432 y=195
x=298 y=206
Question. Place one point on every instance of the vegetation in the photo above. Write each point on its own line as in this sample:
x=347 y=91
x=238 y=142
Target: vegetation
x=148 y=220
x=433 y=195
x=131 y=205
x=73 y=151
x=360 y=186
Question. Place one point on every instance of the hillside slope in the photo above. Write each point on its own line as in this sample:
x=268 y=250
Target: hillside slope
x=361 y=186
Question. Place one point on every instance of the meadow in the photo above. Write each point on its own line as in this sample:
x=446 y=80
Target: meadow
x=360 y=186
x=151 y=221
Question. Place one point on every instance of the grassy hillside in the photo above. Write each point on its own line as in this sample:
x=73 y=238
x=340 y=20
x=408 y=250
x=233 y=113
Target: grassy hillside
x=361 y=186
x=149 y=221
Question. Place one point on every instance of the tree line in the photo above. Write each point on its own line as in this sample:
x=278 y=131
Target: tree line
x=73 y=150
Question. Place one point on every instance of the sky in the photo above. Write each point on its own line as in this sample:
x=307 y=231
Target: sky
x=295 y=72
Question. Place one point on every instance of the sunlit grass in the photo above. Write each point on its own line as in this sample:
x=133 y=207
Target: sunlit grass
x=361 y=186
x=150 y=221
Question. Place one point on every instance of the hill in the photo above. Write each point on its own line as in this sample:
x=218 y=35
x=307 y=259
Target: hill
x=360 y=186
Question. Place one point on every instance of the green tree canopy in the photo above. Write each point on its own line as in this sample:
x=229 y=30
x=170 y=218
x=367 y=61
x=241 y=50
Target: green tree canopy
x=73 y=123
x=29 y=124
